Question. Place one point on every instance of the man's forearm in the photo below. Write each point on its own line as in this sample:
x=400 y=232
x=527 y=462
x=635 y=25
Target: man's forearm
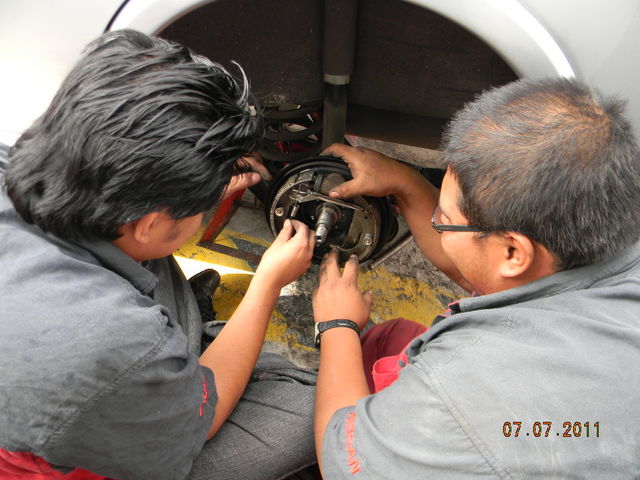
x=233 y=354
x=341 y=379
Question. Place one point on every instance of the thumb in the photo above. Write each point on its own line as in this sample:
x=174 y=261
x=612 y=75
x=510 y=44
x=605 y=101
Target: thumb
x=368 y=298
x=285 y=233
x=239 y=182
x=344 y=190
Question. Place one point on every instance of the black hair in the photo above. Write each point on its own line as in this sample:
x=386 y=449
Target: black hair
x=139 y=125
x=551 y=159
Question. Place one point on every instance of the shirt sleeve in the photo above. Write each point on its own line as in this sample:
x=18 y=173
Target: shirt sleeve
x=404 y=431
x=150 y=424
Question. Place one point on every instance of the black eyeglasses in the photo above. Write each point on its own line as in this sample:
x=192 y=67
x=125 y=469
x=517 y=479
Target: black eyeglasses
x=439 y=227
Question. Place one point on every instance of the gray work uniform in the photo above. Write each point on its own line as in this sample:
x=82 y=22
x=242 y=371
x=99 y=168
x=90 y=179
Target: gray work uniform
x=564 y=350
x=100 y=370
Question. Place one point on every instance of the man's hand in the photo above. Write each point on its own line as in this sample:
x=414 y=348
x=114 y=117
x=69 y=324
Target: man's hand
x=373 y=173
x=289 y=256
x=338 y=295
x=248 y=179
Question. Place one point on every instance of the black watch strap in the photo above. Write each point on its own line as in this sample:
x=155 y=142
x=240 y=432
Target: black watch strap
x=338 y=322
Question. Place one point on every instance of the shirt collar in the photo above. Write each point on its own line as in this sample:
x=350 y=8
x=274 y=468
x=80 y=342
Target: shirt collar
x=574 y=279
x=567 y=280
x=106 y=252
x=119 y=262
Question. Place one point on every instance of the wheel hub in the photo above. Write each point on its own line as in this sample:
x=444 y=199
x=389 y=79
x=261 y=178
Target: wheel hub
x=360 y=225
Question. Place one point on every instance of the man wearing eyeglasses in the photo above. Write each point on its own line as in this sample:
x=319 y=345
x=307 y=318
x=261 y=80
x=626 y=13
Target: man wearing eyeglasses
x=536 y=373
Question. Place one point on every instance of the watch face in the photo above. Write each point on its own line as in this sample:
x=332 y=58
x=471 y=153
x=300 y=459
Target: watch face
x=316 y=335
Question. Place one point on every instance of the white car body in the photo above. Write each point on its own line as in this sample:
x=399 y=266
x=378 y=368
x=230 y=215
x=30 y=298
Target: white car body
x=594 y=41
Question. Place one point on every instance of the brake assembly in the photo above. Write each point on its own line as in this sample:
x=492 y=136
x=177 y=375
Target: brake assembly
x=360 y=225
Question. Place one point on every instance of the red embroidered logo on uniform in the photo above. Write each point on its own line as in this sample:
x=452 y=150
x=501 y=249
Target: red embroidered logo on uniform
x=350 y=427
x=205 y=395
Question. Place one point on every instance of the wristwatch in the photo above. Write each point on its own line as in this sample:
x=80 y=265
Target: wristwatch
x=328 y=325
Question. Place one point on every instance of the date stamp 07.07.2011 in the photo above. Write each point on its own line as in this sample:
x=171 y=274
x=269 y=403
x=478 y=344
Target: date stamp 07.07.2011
x=545 y=429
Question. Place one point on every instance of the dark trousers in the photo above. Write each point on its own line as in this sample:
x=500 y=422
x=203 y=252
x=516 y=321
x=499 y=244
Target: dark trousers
x=269 y=435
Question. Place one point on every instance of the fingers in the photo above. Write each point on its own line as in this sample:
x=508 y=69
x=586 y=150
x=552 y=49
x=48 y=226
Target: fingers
x=312 y=240
x=351 y=156
x=257 y=166
x=330 y=263
x=301 y=228
x=350 y=272
x=338 y=150
x=368 y=298
x=240 y=182
x=344 y=190
x=329 y=267
x=304 y=236
x=285 y=233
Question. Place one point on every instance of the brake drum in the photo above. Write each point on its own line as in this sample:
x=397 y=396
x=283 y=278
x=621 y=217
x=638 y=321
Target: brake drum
x=360 y=225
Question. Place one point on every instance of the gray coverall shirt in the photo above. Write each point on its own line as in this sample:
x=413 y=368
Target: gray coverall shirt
x=540 y=381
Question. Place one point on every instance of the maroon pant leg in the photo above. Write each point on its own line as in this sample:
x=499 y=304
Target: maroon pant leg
x=386 y=339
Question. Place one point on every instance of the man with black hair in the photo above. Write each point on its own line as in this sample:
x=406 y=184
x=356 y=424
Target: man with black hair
x=102 y=374
x=535 y=375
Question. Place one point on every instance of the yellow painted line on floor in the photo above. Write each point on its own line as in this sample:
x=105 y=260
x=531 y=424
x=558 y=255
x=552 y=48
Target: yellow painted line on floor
x=191 y=250
x=241 y=236
x=277 y=332
x=228 y=296
x=401 y=297
x=394 y=296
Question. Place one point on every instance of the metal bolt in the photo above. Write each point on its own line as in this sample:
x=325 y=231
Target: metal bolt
x=279 y=211
x=368 y=239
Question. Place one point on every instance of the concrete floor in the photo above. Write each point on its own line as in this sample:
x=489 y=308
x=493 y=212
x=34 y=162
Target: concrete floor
x=405 y=285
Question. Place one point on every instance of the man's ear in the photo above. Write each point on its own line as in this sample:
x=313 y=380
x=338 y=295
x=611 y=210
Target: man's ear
x=518 y=255
x=142 y=227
